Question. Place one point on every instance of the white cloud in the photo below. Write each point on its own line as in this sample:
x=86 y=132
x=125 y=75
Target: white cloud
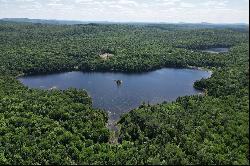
x=25 y=0
x=129 y=10
x=55 y=4
x=127 y=2
x=187 y=5
x=83 y=1
x=213 y=3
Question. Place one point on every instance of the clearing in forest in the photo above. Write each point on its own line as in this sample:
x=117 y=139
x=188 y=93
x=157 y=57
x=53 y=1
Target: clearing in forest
x=105 y=56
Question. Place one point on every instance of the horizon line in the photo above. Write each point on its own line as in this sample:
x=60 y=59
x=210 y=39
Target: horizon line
x=158 y=22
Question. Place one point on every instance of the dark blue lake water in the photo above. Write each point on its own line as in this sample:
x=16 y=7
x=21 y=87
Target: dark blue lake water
x=153 y=87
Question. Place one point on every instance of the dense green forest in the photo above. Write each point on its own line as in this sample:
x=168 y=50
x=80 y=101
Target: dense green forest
x=62 y=127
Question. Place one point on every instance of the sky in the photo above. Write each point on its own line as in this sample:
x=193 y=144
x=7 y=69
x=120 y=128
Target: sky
x=171 y=11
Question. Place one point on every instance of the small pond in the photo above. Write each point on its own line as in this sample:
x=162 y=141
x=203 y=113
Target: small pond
x=217 y=50
x=151 y=87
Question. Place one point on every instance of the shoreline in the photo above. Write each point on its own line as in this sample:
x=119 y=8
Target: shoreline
x=112 y=71
x=112 y=123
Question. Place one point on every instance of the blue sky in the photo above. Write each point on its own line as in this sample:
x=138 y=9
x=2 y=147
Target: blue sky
x=213 y=11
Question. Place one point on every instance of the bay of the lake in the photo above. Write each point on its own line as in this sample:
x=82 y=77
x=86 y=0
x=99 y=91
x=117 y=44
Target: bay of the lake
x=150 y=87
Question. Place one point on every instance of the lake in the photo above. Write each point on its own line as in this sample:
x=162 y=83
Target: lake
x=216 y=50
x=151 y=87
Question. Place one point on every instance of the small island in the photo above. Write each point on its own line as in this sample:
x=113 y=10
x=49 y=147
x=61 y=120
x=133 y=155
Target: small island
x=118 y=82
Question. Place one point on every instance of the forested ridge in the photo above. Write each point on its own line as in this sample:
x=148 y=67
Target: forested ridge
x=62 y=127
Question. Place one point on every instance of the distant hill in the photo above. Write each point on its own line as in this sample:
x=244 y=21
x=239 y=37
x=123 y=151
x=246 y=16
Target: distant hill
x=161 y=25
x=42 y=21
x=239 y=27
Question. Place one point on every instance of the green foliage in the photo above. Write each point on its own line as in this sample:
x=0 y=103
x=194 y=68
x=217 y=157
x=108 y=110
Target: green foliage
x=32 y=48
x=61 y=127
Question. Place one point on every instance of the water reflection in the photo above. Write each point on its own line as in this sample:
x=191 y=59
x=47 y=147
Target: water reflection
x=152 y=87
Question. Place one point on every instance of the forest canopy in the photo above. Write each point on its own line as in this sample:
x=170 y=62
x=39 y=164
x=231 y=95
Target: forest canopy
x=62 y=127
